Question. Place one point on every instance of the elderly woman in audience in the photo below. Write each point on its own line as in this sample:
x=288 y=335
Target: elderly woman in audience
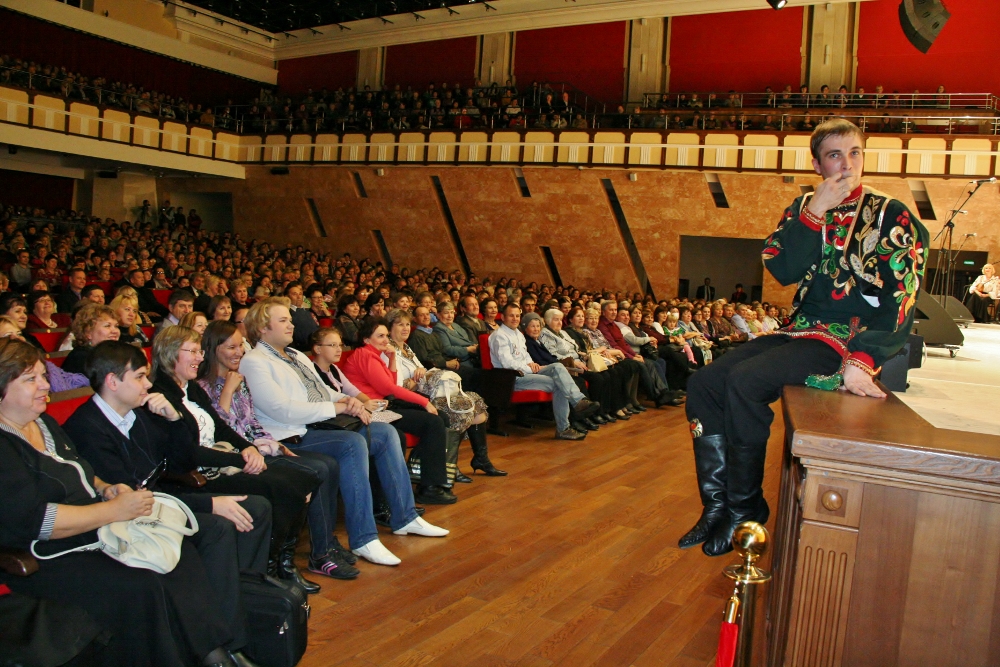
x=220 y=309
x=219 y=376
x=59 y=379
x=455 y=340
x=349 y=319
x=531 y=325
x=153 y=619
x=126 y=309
x=720 y=330
x=42 y=307
x=237 y=467
x=984 y=290
x=605 y=387
x=411 y=374
x=490 y=308
x=93 y=324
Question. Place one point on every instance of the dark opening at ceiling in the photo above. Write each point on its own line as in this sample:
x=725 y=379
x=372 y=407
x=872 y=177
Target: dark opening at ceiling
x=284 y=15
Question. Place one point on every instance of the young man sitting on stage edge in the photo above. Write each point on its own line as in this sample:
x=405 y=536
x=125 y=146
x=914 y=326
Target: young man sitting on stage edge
x=858 y=258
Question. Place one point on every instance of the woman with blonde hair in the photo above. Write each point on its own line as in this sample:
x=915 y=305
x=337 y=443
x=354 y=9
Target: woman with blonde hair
x=127 y=311
x=195 y=320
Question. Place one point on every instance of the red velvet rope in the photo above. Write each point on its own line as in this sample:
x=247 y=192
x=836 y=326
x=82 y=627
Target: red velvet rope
x=727 y=645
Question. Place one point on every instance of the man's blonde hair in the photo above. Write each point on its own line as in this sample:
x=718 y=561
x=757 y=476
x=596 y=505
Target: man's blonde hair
x=259 y=316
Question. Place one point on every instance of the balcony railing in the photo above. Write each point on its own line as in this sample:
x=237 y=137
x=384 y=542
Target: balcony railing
x=782 y=100
x=764 y=150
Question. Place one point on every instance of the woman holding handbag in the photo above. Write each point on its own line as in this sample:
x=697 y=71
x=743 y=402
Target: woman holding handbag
x=153 y=619
x=411 y=374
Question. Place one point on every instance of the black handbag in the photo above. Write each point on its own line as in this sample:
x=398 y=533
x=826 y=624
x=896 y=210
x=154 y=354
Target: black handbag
x=277 y=620
x=339 y=423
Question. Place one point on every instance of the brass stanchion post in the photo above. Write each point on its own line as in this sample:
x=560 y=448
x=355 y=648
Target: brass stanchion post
x=750 y=540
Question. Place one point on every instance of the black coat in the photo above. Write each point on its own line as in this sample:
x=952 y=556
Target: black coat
x=188 y=453
x=120 y=460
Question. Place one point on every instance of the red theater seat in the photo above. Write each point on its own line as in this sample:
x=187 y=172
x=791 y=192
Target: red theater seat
x=517 y=397
x=148 y=330
x=64 y=320
x=49 y=338
x=64 y=403
x=163 y=296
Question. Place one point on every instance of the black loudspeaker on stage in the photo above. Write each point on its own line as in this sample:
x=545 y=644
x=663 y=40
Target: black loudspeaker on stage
x=894 y=370
x=922 y=21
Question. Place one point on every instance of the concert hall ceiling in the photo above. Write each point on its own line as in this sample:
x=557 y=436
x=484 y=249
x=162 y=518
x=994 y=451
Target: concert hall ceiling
x=279 y=16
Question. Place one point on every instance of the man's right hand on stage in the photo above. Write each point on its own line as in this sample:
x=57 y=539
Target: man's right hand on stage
x=829 y=194
x=860 y=383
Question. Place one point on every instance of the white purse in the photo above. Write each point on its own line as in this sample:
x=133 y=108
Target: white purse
x=450 y=385
x=150 y=542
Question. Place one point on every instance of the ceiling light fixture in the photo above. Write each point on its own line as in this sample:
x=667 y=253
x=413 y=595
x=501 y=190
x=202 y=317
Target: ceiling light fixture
x=777 y=4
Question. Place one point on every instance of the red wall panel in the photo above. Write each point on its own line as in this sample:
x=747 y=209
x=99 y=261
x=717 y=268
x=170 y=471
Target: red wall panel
x=20 y=188
x=591 y=57
x=47 y=43
x=745 y=51
x=964 y=57
x=330 y=71
x=416 y=65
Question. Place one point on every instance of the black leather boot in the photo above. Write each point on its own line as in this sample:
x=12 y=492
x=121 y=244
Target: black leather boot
x=286 y=559
x=480 y=453
x=710 y=464
x=744 y=496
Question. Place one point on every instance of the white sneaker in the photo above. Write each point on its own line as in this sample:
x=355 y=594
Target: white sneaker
x=420 y=527
x=376 y=552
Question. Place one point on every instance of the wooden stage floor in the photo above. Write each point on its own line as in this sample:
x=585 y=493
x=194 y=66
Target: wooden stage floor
x=571 y=560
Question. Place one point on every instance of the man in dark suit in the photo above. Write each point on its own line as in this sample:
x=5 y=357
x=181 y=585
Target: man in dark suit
x=426 y=345
x=706 y=291
x=470 y=318
x=73 y=291
x=124 y=445
x=147 y=300
x=739 y=296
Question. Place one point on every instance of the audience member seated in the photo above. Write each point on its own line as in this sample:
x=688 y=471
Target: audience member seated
x=59 y=380
x=427 y=346
x=42 y=307
x=15 y=307
x=295 y=406
x=307 y=320
x=982 y=292
x=147 y=300
x=609 y=388
x=220 y=309
x=180 y=304
x=195 y=320
x=92 y=325
x=509 y=349
x=126 y=309
x=152 y=619
x=455 y=340
x=411 y=374
x=238 y=467
x=72 y=292
x=219 y=376
x=372 y=369
x=653 y=383
x=114 y=432
x=349 y=319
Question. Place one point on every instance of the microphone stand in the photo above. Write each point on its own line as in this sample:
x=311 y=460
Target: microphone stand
x=944 y=282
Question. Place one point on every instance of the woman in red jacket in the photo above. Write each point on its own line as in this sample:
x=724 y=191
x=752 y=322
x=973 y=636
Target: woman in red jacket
x=372 y=369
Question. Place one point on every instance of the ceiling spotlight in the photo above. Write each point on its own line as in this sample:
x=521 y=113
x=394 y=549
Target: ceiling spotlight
x=777 y=4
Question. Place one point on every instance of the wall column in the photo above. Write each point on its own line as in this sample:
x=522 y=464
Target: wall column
x=371 y=68
x=496 y=58
x=831 y=48
x=647 y=57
